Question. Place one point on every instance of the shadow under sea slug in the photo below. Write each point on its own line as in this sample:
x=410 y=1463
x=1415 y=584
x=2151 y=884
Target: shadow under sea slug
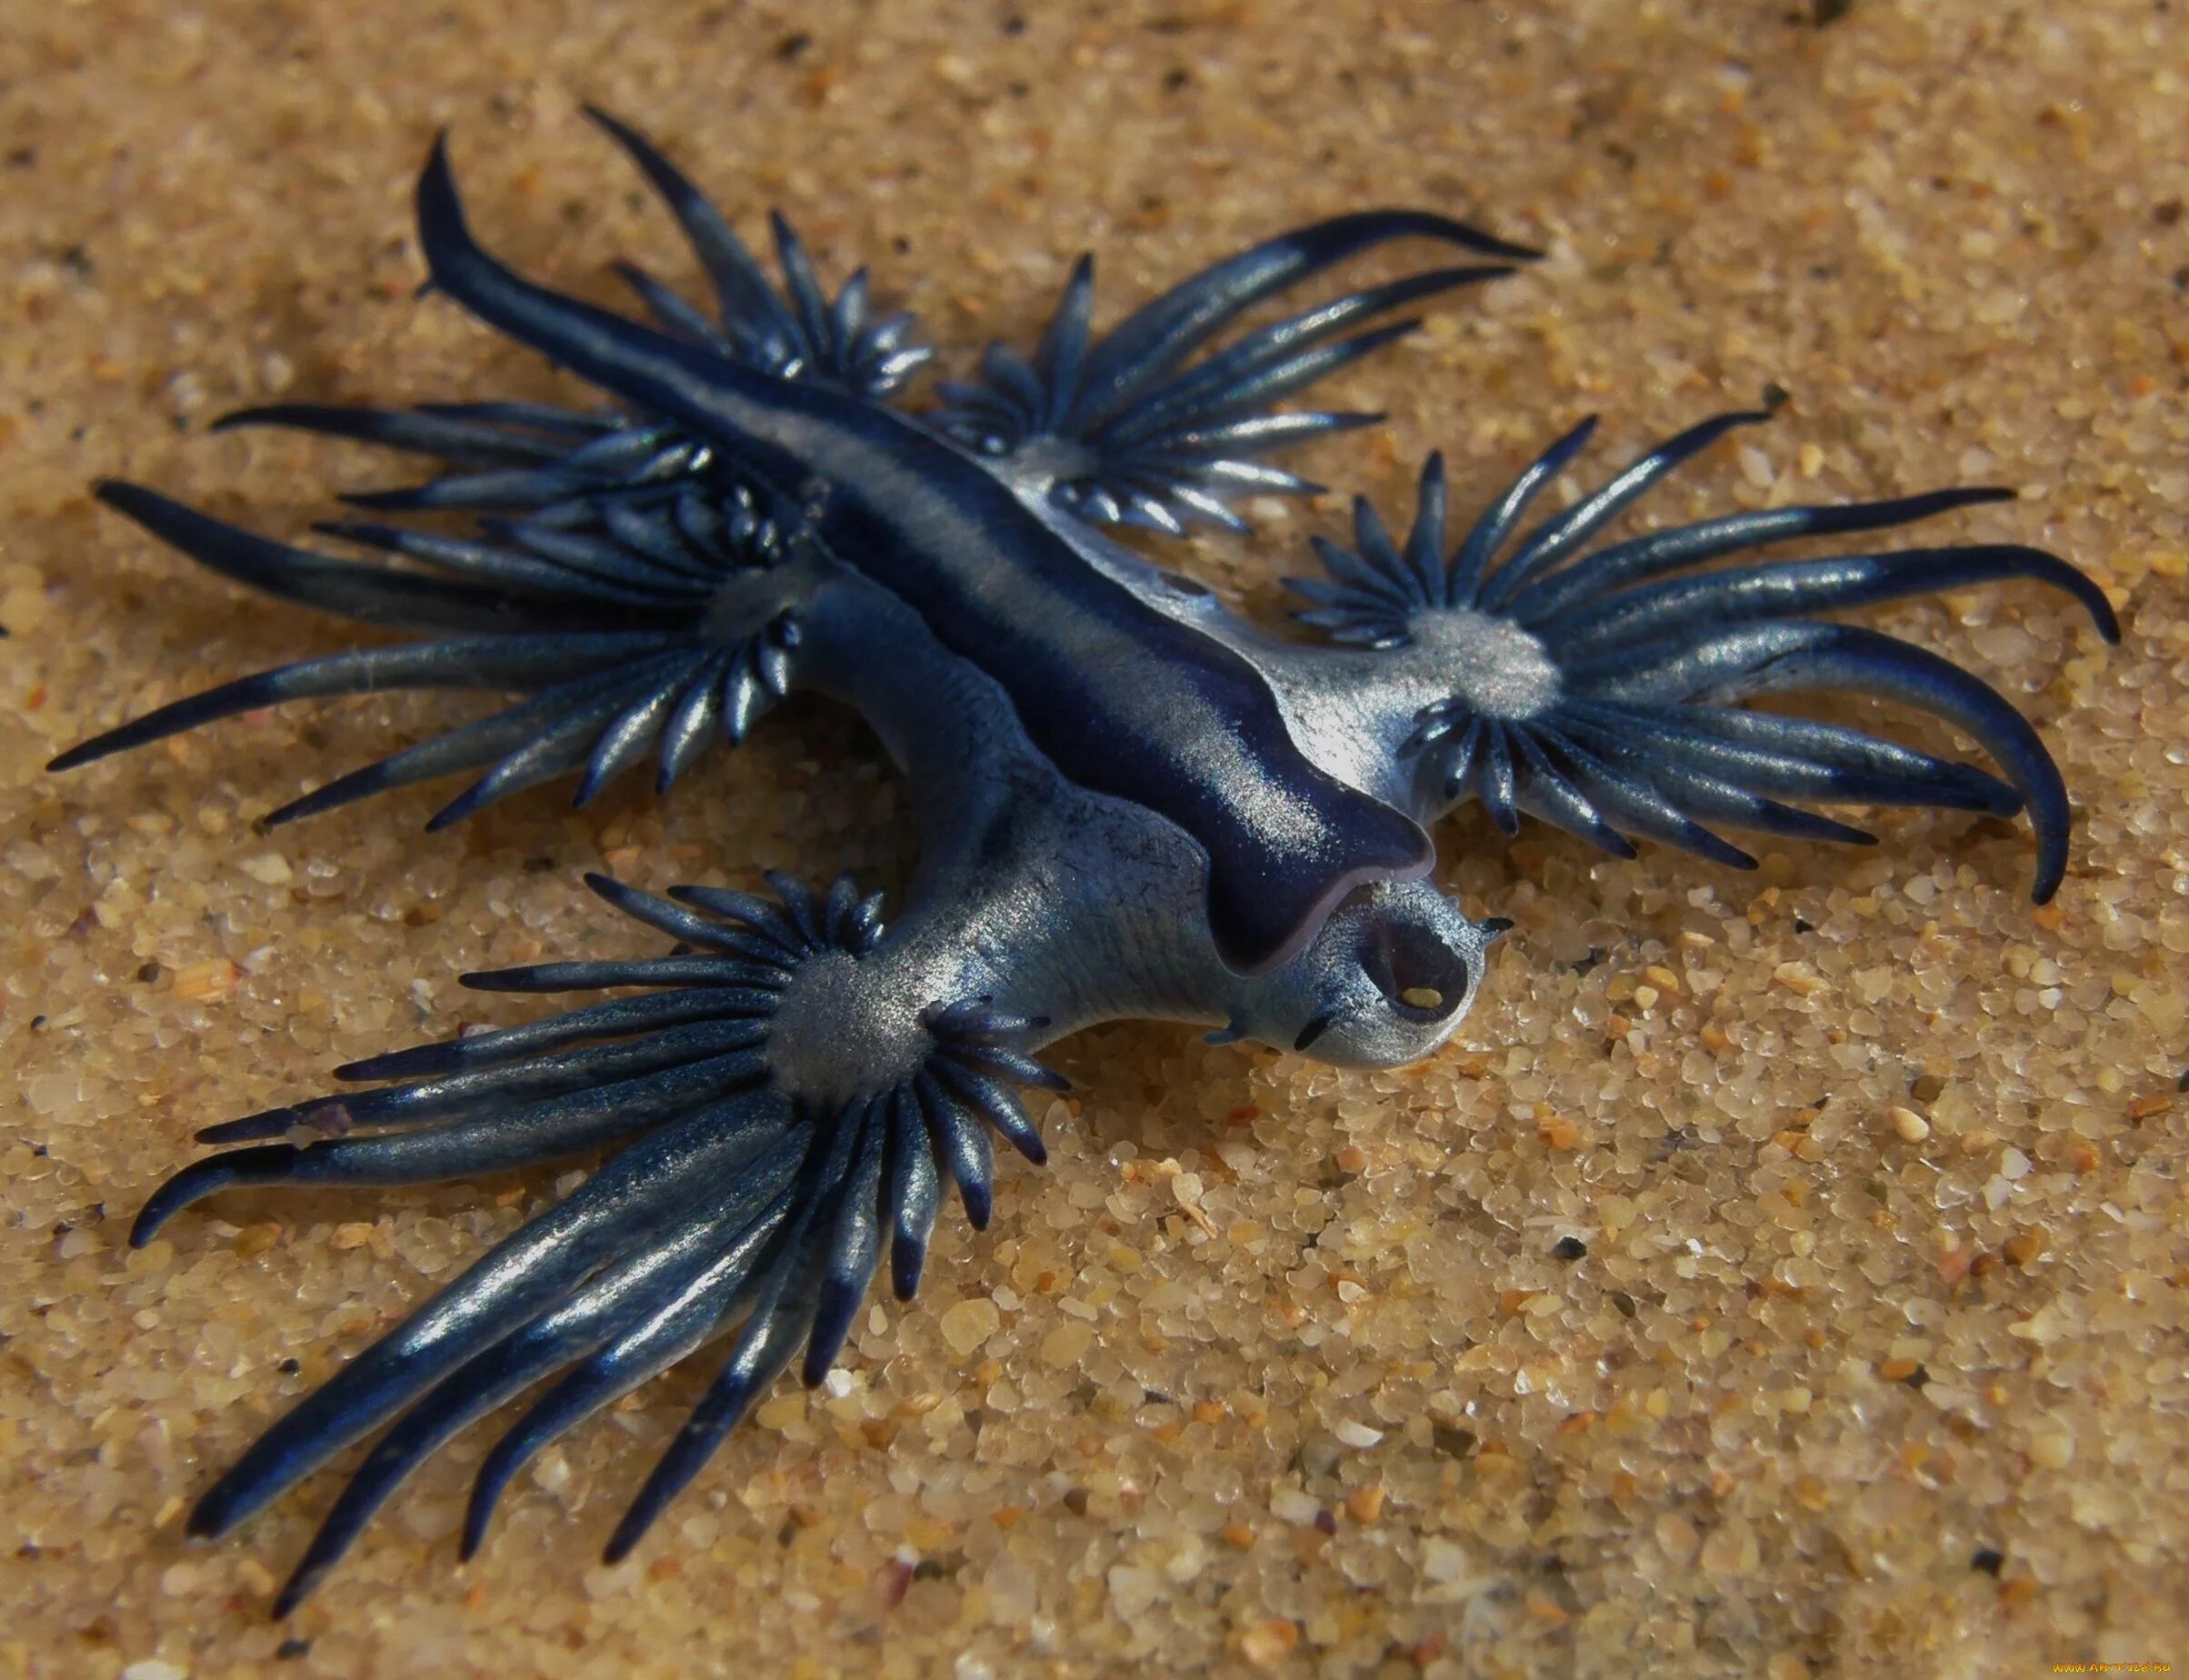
x=1131 y=802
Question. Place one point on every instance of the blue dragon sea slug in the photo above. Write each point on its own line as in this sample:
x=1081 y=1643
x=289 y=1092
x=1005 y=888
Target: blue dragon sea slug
x=1131 y=802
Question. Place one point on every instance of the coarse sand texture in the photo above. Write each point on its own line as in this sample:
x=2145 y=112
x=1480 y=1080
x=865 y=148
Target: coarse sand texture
x=1782 y=1274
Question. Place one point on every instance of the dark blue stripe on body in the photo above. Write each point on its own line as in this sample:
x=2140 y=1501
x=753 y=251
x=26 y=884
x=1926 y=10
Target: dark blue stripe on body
x=1124 y=700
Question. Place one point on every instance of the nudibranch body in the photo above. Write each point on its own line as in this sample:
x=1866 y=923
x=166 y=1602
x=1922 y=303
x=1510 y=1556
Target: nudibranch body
x=1131 y=802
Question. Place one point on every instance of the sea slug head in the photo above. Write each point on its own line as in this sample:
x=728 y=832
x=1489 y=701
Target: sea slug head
x=1385 y=982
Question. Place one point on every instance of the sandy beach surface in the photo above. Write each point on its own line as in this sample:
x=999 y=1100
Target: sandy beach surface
x=1783 y=1274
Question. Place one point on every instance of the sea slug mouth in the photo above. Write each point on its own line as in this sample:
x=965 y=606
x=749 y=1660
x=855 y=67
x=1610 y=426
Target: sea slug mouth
x=1423 y=979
